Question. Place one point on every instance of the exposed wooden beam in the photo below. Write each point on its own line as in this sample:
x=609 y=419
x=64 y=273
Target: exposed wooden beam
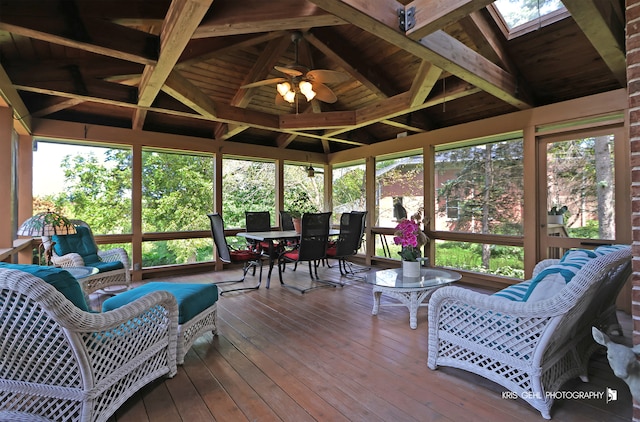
x=202 y=50
x=105 y=38
x=432 y=15
x=402 y=126
x=253 y=16
x=260 y=70
x=184 y=91
x=10 y=95
x=137 y=121
x=341 y=53
x=182 y=19
x=56 y=105
x=423 y=83
x=605 y=31
x=438 y=48
x=398 y=105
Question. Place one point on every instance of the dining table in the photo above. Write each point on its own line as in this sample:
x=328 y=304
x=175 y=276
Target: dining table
x=272 y=236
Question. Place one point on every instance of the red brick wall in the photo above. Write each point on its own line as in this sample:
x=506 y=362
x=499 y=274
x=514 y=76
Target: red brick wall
x=633 y=86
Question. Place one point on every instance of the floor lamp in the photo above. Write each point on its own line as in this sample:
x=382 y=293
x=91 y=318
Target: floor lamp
x=46 y=224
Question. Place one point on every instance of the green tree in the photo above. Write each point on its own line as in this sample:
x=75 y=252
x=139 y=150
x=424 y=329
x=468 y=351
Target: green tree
x=487 y=187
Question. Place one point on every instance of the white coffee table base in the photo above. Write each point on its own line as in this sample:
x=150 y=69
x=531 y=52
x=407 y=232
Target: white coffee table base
x=411 y=298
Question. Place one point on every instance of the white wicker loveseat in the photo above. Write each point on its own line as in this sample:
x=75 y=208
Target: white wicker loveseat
x=61 y=363
x=80 y=249
x=531 y=348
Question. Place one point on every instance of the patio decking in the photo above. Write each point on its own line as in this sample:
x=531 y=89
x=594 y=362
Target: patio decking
x=322 y=356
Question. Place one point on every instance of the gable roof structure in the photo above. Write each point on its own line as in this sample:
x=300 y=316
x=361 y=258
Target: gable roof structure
x=413 y=66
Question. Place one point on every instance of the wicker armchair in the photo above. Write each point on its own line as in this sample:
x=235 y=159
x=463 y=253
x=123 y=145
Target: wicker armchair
x=80 y=249
x=530 y=348
x=60 y=363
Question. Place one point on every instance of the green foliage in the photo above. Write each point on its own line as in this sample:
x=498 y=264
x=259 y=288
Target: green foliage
x=589 y=231
x=247 y=186
x=505 y=260
x=487 y=187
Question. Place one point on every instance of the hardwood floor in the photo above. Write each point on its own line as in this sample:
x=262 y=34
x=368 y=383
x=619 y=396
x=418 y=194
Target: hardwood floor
x=322 y=356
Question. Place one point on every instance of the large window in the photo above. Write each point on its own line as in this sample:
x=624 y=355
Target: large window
x=177 y=194
x=348 y=190
x=84 y=182
x=303 y=189
x=247 y=186
x=479 y=190
x=399 y=189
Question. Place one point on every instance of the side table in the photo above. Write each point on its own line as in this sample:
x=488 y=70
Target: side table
x=410 y=291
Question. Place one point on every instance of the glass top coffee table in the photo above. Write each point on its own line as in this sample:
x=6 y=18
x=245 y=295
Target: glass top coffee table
x=410 y=291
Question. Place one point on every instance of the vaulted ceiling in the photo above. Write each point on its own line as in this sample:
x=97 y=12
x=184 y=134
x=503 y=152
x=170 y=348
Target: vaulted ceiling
x=179 y=66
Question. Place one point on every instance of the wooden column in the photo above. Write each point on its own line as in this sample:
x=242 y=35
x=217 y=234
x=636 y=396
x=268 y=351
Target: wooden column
x=7 y=168
x=25 y=188
x=136 y=213
x=633 y=87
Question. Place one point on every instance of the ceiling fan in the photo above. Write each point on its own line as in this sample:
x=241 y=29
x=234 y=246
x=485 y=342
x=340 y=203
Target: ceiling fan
x=300 y=79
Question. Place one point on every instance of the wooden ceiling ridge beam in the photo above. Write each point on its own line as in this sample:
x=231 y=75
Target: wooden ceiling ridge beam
x=105 y=38
x=606 y=32
x=439 y=48
x=253 y=16
x=183 y=18
x=433 y=15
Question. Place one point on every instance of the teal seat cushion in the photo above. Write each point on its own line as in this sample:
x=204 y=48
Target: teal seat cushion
x=80 y=242
x=103 y=266
x=192 y=298
x=59 y=278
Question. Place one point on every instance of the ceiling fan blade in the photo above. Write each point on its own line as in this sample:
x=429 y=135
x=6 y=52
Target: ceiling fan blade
x=324 y=93
x=289 y=71
x=327 y=76
x=264 y=82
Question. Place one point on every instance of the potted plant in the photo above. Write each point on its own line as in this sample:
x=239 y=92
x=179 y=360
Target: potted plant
x=409 y=235
x=300 y=205
x=556 y=214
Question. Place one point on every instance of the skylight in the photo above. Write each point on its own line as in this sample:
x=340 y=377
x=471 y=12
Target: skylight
x=520 y=12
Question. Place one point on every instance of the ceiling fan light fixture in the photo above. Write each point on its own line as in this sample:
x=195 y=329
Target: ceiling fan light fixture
x=307 y=89
x=283 y=88
x=289 y=97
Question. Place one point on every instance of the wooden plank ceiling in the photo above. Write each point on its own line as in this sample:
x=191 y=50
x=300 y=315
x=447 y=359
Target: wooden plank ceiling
x=180 y=66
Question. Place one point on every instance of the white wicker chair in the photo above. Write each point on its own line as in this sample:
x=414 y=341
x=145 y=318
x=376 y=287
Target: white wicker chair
x=60 y=363
x=530 y=348
x=120 y=277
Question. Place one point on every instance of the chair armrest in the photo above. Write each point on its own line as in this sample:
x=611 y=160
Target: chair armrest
x=114 y=255
x=120 y=339
x=69 y=260
x=543 y=264
x=493 y=325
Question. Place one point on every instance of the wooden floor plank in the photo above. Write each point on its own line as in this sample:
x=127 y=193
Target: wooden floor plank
x=285 y=356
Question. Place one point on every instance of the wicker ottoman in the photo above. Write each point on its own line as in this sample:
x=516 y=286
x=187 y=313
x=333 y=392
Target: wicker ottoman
x=197 y=304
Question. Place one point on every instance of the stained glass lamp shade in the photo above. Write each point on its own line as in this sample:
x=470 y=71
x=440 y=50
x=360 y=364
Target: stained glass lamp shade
x=46 y=224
